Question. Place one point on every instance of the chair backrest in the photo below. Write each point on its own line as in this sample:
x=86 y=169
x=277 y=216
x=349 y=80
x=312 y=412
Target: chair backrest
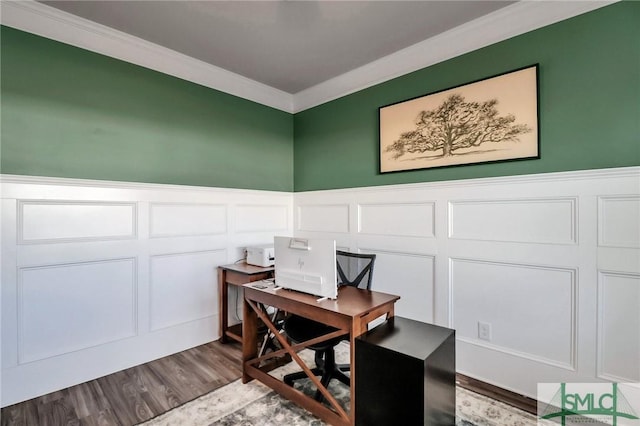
x=355 y=269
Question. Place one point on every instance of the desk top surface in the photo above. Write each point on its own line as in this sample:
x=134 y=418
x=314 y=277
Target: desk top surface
x=351 y=301
x=247 y=269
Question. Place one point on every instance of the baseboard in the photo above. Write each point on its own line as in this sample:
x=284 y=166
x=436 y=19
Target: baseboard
x=522 y=402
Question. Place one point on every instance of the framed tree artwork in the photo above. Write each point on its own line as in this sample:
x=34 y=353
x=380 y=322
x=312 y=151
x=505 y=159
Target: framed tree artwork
x=494 y=119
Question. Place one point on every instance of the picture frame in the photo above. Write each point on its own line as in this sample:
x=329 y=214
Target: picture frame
x=490 y=120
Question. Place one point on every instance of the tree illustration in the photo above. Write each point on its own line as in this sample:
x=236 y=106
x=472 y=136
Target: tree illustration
x=457 y=124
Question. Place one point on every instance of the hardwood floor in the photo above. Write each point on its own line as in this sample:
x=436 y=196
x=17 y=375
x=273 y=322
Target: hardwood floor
x=134 y=395
x=137 y=394
x=510 y=398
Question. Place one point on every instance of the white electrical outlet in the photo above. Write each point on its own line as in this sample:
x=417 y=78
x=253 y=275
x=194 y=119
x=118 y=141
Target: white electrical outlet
x=484 y=331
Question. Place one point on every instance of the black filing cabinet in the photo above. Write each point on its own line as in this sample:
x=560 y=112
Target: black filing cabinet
x=405 y=374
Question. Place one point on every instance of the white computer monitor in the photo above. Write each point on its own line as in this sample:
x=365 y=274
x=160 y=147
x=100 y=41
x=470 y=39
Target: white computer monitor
x=307 y=265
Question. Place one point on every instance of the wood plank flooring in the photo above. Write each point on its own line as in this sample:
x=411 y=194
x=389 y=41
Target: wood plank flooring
x=137 y=394
x=134 y=395
x=510 y=398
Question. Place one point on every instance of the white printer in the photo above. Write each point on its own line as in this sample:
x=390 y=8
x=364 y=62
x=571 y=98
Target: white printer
x=261 y=255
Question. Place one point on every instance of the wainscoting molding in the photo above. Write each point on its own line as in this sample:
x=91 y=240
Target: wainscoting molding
x=122 y=273
x=406 y=273
x=180 y=289
x=184 y=220
x=100 y=276
x=261 y=218
x=411 y=219
x=99 y=302
x=550 y=262
x=516 y=220
x=63 y=221
x=618 y=326
x=323 y=218
x=475 y=285
x=619 y=226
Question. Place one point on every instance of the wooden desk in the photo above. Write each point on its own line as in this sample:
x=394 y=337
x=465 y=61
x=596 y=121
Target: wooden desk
x=350 y=314
x=235 y=274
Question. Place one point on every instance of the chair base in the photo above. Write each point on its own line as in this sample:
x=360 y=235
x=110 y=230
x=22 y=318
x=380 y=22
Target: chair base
x=326 y=368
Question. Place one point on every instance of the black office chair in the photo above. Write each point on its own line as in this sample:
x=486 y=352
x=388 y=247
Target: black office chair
x=354 y=270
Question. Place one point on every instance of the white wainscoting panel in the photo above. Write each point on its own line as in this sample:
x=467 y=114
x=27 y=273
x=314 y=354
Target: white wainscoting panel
x=100 y=276
x=409 y=275
x=551 y=261
x=62 y=221
x=527 y=221
x=531 y=310
x=401 y=219
x=176 y=220
x=184 y=287
x=619 y=327
x=77 y=306
x=257 y=218
x=520 y=253
x=619 y=221
x=323 y=218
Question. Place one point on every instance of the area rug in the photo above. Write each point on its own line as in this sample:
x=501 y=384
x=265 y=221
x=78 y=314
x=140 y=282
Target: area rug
x=254 y=404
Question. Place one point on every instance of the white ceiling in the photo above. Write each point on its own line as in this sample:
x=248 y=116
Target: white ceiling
x=289 y=55
x=288 y=45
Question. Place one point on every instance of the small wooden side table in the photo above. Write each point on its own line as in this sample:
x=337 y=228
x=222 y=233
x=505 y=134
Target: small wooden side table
x=236 y=274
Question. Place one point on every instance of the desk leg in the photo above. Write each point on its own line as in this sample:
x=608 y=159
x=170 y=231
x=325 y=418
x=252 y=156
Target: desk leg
x=249 y=337
x=223 y=291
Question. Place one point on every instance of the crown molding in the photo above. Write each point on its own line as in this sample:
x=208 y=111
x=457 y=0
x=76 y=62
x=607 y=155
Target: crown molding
x=49 y=22
x=513 y=20
x=510 y=21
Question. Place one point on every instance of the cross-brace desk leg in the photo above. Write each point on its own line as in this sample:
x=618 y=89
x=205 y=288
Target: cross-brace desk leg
x=250 y=370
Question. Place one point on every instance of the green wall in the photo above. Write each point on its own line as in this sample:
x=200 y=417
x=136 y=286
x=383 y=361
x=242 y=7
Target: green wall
x=71 y=113
x=67 y=112
x=589 y=80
